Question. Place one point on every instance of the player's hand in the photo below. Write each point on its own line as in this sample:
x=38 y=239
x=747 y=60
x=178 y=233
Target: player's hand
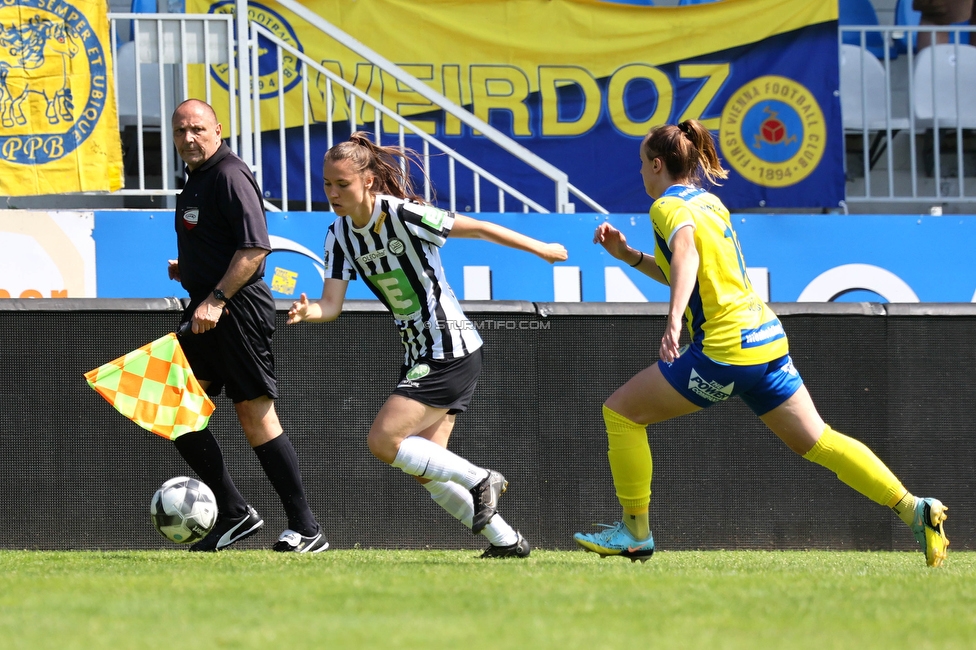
x=554 y=253
x=611 y=239
x=298 y=311
x=671 y=342
x=206 y=315
x=174 y=270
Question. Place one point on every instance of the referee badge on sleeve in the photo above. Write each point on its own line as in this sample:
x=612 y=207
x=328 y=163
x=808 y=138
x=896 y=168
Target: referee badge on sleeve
x=191 y=216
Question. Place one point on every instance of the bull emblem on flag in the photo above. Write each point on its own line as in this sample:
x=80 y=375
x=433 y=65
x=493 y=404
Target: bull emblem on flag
x=42 y=48
x=59 y=129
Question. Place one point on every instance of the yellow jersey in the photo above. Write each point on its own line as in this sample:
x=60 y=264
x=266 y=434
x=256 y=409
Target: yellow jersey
x=726 y=317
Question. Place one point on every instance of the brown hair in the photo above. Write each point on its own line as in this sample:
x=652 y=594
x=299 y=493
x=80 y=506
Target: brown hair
x=388 y=165
x=687 y=151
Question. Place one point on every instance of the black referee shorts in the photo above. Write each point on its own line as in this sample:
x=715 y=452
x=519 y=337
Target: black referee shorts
x=441 y=383
x=236 y=355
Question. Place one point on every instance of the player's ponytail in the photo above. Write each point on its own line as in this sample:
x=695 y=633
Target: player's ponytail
x=389 y=166
x=687 y=151
x=708 y=163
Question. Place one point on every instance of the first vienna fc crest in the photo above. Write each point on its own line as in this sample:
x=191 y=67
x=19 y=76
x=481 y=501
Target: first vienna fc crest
x=267 y=71
x=53 y=80
x=773 y=132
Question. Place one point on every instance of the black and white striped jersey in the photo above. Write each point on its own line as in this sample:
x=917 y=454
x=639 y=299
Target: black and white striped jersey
x=398 y=254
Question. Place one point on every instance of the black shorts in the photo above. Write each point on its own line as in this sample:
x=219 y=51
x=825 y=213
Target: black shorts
x=441 y=383
x=236 y=354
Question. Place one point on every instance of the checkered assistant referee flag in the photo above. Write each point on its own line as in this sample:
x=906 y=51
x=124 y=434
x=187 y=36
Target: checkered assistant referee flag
x=155 y=388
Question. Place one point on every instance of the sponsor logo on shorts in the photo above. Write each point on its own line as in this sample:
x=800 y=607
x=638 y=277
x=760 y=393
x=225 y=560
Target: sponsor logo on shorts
x=396 y=247
x=789 y=368
x=419 y=371
x=416 y=373
x=710 y=390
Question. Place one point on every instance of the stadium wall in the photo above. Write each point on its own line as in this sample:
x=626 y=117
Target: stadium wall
x=791 y=257
x=78 y=475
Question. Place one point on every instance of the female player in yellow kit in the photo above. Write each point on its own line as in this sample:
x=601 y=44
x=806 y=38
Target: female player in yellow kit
x=738 y=347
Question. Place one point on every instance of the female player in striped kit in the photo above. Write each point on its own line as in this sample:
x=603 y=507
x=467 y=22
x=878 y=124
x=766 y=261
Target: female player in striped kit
x=738 y=347
x=388 y=235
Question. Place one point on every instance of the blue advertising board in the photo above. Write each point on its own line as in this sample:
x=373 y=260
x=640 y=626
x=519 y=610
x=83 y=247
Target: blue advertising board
x=819 y=258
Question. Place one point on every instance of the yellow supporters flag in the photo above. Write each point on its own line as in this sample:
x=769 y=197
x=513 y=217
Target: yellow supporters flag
x=155 y=388
x=59 y=129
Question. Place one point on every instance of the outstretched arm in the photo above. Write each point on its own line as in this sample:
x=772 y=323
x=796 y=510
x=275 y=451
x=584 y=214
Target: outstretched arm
x=468 y=228
x=327 y=308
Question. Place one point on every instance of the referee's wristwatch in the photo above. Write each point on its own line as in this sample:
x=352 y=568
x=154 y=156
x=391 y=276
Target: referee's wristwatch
x=219 y=295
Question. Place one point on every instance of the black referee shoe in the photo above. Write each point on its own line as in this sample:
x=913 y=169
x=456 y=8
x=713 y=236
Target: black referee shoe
x=485 y=496
x=520 y=548
x=292 y=542
x=227 y=531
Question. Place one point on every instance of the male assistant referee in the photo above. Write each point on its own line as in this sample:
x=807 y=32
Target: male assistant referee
x=222 y=237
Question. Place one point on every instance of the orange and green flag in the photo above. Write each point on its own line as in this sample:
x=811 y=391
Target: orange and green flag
x=155 y=388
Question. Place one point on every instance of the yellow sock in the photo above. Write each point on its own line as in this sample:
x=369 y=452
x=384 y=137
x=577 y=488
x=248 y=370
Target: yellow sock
x=637 y=523
x=905 y=508
x=857 y=466
x=630 y=463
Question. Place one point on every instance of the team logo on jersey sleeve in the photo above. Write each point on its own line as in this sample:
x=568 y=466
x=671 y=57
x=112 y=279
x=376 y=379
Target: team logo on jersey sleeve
x=431 y=216
x=773 y=131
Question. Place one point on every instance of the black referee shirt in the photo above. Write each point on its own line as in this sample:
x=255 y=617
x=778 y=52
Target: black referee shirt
x=219 y=212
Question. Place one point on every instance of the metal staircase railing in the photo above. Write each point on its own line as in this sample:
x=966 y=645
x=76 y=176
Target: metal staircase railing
x=156 y=76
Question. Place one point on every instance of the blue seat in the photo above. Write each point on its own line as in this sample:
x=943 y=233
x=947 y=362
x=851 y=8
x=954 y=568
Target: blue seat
x=682 y=3
x=905 y=16
x=140 y=7
x=861 y=12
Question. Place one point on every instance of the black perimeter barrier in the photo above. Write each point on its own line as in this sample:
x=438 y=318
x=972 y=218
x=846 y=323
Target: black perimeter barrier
x=78 y=475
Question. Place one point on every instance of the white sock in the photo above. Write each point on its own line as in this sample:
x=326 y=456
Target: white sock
x=420 y=457
x=458 y=503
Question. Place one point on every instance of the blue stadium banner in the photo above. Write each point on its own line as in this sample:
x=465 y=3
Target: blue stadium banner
x=790 y=257
x=59 y=130
x=579 y=82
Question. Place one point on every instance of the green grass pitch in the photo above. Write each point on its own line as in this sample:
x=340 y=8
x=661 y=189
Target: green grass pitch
x=453 y=599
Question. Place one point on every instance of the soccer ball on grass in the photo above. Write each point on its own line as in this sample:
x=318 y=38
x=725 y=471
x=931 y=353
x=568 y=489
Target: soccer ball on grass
x=183 y=510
